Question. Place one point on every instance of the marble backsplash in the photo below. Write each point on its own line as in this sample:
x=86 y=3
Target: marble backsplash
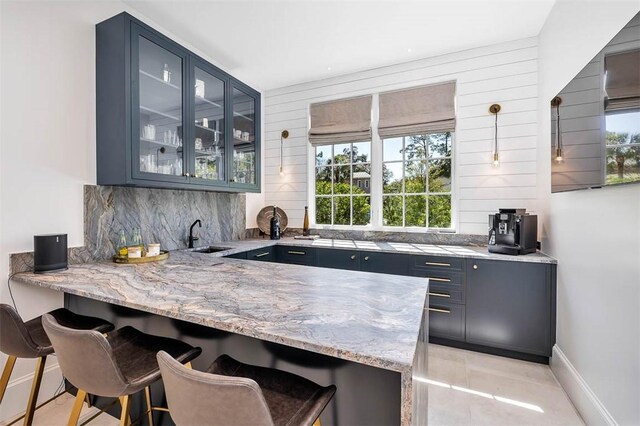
x=438 y=238
x=163 y=216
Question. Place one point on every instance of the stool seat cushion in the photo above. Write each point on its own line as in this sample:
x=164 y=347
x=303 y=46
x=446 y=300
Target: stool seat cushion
x=29 y=340
x=292 y=400
x=135 y=354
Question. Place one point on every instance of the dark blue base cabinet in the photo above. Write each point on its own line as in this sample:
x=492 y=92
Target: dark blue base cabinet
x=500 y=307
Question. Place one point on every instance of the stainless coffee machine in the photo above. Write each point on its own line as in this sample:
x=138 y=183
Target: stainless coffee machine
x=513 y=231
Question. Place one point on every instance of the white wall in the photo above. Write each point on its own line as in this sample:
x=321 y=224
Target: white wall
x=47 y=143
x=505 y=73
x=595 y=235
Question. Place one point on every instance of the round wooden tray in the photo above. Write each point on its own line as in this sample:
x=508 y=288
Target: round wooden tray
x=164 y=254
x=264 y=219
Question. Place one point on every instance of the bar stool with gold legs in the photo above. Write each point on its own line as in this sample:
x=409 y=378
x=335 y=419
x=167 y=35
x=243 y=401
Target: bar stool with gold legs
x=233 y=393
x=117 y=365
x=19 y=339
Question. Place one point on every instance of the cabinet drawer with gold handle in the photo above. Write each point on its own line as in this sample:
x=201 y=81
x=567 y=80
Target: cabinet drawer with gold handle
x=449 y=278
x=439 y=263
x=446 y=320
x=264 y=254
x=296 y=255
x=441 y=292
x=440 y=280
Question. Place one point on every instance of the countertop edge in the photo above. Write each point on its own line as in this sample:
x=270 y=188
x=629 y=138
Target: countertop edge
x=372 y=361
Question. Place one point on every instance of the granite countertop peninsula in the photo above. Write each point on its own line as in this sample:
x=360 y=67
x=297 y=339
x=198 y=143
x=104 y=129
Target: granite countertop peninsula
x=470 y=252
x=373 y=319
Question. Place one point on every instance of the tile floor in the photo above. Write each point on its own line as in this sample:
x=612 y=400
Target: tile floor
x=465 y=388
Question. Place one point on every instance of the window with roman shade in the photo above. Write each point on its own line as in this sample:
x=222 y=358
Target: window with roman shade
x=344 y=120
x=418 y=110
x=623 y=81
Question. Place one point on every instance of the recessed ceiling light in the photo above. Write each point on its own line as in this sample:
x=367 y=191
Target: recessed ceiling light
x=328 y=68
x=409 y=50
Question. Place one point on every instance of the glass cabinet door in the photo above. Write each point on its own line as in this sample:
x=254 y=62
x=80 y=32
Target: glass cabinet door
x=158 y=95
x=209 y=125
x=244 y=160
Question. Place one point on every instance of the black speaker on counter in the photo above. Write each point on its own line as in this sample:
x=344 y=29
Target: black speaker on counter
x=49 y=253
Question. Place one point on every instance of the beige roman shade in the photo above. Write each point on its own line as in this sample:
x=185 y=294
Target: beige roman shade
x=344 y=120
x=623 y=80
x=418 y=110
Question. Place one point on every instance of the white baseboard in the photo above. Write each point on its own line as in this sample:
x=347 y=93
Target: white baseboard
x=17 y=394
x=591 y=409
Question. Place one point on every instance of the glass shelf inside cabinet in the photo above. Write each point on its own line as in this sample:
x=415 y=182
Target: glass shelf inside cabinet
x=244 y=138
x=209 y=126
x=160 y=110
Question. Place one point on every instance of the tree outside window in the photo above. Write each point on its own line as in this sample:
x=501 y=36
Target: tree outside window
x=339 y=199
x=416 y=176
x=623 y=147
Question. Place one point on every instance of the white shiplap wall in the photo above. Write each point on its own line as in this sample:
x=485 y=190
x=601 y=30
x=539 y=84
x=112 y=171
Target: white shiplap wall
x=505 y=73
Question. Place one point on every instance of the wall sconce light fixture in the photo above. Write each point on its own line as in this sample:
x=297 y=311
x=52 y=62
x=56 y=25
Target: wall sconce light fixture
x=283 y=136
x=555 y=103
x=495 y=109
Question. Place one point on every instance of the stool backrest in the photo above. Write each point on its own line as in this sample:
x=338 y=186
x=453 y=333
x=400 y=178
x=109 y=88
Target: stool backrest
x=86 y=359
x=198 y=398
x=14 y=337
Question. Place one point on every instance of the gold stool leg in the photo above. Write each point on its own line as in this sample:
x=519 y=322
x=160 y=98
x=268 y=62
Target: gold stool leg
x=147 y=394
x=6 y=374
x=125 y=420
x=317 y=422
x=77 y=408
x=35 y=388
x=188 y=365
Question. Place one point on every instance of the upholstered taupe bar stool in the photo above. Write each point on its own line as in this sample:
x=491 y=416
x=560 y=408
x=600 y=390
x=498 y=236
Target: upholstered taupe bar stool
x=19 y=339
x=233 y=393
x=117 y=365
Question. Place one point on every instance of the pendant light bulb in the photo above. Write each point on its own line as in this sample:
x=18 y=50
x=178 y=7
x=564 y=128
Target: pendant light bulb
x=559 y=157
x=281 y=171
x=496 y=160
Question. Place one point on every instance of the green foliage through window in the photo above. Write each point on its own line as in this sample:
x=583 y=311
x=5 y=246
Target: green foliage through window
x=417 y=171
x=343 y=174
x=416 y=182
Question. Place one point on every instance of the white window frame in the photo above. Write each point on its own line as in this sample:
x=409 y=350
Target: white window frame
x=375 y=184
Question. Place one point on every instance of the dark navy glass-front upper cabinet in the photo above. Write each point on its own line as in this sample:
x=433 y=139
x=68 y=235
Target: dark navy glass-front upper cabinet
x=167 y=118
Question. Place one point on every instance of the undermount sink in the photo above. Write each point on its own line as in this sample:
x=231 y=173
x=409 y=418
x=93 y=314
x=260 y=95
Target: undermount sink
x=211 y=249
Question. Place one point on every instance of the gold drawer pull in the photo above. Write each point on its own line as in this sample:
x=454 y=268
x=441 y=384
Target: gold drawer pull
x=296 y=252
x=442 y=311
x=261 y=254
x=366 y=258
x=442 y=280
x=437 y=264
x=439 y=294
x=353 y=257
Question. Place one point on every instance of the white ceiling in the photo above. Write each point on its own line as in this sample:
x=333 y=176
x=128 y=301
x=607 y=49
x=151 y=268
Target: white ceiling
x=271 y=44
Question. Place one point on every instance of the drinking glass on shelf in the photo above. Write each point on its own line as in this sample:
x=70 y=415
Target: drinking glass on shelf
x=166 y=74
x=199 y=88
x=149 y=132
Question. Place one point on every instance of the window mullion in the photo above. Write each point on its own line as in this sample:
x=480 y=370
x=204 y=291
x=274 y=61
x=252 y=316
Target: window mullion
x=375 y=186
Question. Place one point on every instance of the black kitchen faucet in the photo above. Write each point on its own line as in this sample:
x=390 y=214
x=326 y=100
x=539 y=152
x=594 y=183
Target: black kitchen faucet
x=191 y=237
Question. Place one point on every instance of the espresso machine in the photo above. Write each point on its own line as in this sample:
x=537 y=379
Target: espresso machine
x=513 y=231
